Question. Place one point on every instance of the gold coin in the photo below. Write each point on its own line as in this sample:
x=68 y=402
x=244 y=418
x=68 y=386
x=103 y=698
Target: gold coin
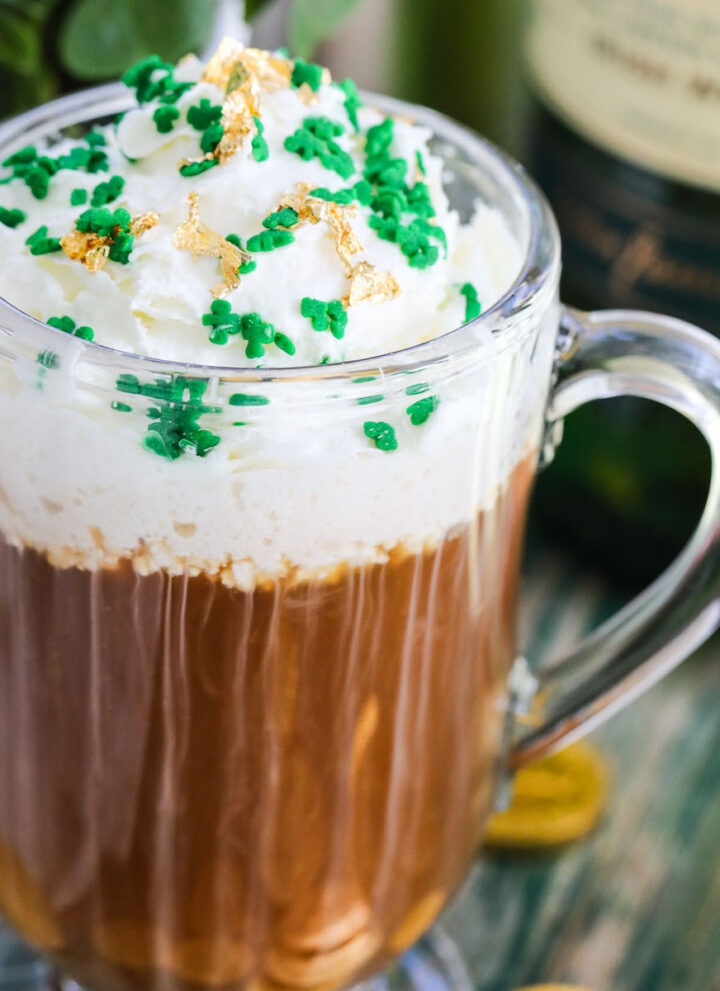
x=555 y=800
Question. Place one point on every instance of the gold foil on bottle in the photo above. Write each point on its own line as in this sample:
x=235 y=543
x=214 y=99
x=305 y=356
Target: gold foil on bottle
x=368 y=284
x=195 y=236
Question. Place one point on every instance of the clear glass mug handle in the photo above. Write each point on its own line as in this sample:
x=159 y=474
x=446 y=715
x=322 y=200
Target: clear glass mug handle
x=613 y=353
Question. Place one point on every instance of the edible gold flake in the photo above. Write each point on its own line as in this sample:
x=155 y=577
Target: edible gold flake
x=195 y=236
x=368 y=284
x=239 y=108
x=92 y=250
x=143 y=222
x=233 y=65
x=88 y=248
x=346 y=242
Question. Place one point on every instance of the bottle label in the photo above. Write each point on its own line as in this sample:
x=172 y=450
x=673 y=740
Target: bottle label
x=641 y=78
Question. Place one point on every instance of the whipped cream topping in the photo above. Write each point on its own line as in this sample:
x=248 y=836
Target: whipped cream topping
x=259 y=481
x=155 y=304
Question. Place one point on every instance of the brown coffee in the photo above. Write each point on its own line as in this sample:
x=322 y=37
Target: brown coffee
x=208 y=787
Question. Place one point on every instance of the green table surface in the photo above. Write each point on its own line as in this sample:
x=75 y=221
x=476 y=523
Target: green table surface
x=636 y=905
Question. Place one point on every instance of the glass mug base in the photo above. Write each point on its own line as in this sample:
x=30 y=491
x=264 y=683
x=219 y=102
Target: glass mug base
x=434 y=963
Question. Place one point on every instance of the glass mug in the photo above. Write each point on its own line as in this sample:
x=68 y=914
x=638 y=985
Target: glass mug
x=275 y=772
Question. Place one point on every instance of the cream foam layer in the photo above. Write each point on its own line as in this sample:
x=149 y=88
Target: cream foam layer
x=297 y=489
x=295 y=492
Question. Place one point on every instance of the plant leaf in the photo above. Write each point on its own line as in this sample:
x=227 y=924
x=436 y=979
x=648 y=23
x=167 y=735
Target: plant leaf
x=311 y=21
x=253 y=7
x=101 y=38
x=19 y=42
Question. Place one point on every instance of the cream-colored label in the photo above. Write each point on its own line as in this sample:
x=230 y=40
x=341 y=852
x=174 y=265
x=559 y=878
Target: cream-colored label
x=639 y=77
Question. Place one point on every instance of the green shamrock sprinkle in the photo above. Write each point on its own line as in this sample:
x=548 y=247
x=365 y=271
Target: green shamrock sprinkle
x=152 y=78
x=48 y=359
x=473 y=307
x=247 y=399
x=106 y=192
x=247 y=266
x=379 y=138
x=283 y=342
x=68 y=326
x=325 y=316
x=222 y=321
x=415 y=245
x=91 y=158
x=417 y=389
x=390 y=203
x=196 y=168
x=259 y=146
x=286 y=217
x=95 y=138
x=11 y=218
x=120 y=407
x=420 y=411
x=369 y=400
x=382 y=435
x=270 y=240
x=419 y=202
x=385 y=171
x=78 y=197
x=41 y=244
x=165 y=117
x=211 y=137
x=23 y=156
x=203 y=114
x=352 y=101
x=112 y=224
x=306 y=72
x=360 y=191
x=257 y=334
x=315 y=139
x=420 y=162
x=174 y=428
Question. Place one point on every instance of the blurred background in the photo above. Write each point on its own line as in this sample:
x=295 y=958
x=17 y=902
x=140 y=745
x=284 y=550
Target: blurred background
x=614 y=107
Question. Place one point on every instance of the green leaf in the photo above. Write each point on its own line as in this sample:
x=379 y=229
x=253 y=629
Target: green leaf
x=253 y=8
x=19 y=42
x=311 y=21
x=101 y=38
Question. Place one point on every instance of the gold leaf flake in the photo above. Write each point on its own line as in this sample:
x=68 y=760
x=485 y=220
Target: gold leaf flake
x=239 y=109
x=232 y=65
x=88 y=248
x=367 y=284
x=273 y=72
x=143 y=222
x=340 y=230
x=195 y=236
x=92 y=250
x=222 y=64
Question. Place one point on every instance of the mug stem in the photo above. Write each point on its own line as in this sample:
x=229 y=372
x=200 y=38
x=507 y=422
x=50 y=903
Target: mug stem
x=627 y=353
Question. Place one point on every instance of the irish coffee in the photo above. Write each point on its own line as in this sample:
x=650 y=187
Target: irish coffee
x=257 y=581
x=208 y=786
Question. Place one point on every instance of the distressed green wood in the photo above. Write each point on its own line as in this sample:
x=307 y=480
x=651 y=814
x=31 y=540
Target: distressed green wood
x=635 y=906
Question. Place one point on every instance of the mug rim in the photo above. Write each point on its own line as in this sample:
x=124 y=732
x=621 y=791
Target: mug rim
x=540 y=265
